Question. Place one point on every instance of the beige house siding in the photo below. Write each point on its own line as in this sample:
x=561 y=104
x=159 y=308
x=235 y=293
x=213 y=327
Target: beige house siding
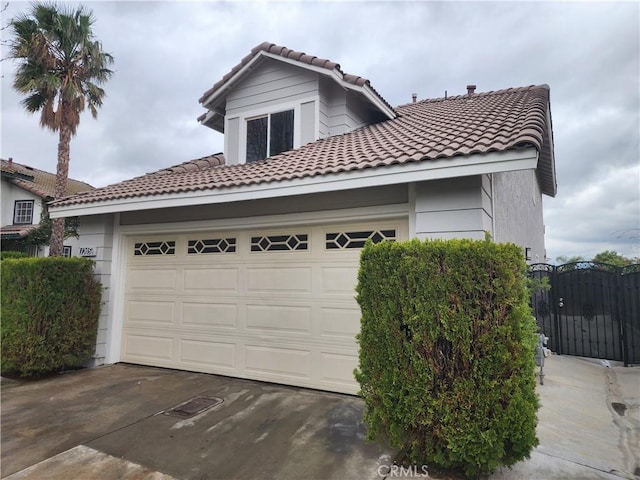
x=308 y=127
x=365 y=197
x=452 y=208
x=340 y=112
x=270 y=84
x=97 y=231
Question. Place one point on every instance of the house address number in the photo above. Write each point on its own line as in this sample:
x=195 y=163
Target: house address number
x=88 y=251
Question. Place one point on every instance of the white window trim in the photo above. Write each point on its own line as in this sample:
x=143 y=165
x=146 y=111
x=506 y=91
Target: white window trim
x=65 y=249
x=296 y=106
x=268 y=117
x=15 y=211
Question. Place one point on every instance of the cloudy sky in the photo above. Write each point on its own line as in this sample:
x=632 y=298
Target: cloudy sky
x=168 y=53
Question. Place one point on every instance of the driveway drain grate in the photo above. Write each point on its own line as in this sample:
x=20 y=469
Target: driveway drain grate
x=193 y=406
x=620 y=408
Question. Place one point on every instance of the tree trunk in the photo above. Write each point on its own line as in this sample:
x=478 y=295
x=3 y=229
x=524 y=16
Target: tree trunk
x=62 y=174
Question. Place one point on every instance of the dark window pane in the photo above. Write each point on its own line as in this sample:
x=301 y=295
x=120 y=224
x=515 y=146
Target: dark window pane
x=359 y=235
x=281 y=138
x=256 y=139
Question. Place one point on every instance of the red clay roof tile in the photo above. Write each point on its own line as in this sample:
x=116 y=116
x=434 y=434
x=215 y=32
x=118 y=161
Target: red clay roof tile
x=293 y=55
x=423 y=131
x=43 y=183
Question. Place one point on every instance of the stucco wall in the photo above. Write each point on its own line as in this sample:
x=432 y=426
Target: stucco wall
x=10 y=194
x=518 y=212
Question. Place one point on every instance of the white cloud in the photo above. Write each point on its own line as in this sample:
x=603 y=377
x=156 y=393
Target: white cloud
x=168 y=53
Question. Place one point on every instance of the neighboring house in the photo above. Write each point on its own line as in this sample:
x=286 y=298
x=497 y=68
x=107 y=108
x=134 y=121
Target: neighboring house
x=25 y=192
x=244 y=263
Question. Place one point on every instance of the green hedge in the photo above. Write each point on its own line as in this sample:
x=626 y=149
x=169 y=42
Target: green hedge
x=50 y=310
x=12 y=254
x=447 y=343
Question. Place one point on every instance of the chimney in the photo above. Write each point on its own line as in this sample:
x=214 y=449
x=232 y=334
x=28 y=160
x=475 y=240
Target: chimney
x=471 y=89
x=414 y=97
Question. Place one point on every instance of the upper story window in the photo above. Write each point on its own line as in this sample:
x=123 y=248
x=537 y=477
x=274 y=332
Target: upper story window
x=269 y=135
x=23 y=212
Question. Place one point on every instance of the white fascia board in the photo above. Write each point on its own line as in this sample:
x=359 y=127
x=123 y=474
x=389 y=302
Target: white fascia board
x=335 y=74
x=365 y=90
x=209 y=114
x=477 y=164
x=214 y=96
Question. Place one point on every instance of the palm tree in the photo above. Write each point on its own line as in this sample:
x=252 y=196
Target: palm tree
x=60 y=68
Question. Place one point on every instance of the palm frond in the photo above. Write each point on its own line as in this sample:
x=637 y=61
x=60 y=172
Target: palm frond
x=60 y=63
x=34 y=102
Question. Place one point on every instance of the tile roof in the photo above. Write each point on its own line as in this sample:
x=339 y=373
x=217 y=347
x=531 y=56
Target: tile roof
x=430 y=129
x=292 y=55
x=38 y=182
x=16 y=231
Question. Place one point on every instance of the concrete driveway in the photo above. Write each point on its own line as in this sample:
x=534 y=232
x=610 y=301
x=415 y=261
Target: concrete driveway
x=115 y=422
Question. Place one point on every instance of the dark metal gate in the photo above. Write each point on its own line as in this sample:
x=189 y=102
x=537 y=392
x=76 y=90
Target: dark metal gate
x=591 y=310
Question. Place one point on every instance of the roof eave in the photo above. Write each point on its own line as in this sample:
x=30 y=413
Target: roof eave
x=211 y=100
x=213 y=120
x=448 y=167
x=17 y=175
x=215 y=98
x=30 y=187
x=18 y=234
x=549 y=157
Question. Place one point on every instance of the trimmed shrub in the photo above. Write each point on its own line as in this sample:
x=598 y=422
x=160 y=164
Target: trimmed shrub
x=12 y=254
x=50 y=310
x=447 y=343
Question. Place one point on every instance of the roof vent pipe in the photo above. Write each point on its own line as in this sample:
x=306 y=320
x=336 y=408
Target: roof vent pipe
x=471 y=89
x=414 y=97
x=10 y=160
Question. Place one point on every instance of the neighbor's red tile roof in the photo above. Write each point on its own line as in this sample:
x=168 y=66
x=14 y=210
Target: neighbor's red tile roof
x=293 y=55
x=42 y=183
x=423 y=131
x=16 y=231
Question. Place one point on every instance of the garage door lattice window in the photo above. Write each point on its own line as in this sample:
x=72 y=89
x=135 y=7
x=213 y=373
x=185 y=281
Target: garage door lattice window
x=213 y=245
x=275 y=243
x=154 y=248
x=346 y=240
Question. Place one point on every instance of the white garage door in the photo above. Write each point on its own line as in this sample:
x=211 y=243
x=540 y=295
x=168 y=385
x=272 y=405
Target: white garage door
x=273 y=305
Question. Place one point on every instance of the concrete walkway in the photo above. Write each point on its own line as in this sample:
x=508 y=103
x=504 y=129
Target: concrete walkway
x=112 y=423
x=588 y=424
